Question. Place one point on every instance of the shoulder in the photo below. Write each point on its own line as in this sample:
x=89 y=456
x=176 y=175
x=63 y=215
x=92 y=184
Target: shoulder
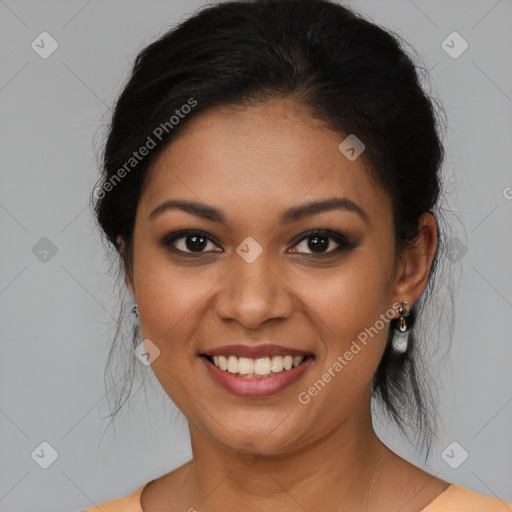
x=129 y=503
x=457 y=498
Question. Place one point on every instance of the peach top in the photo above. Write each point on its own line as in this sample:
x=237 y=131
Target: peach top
x=454 y=499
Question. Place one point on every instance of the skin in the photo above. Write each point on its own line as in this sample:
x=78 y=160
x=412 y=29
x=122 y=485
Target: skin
x=253 y=163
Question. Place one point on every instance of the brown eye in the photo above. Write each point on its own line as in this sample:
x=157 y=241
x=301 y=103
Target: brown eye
x=195 y=242
x=318 y=243
x=189 y=242
x=322 y=243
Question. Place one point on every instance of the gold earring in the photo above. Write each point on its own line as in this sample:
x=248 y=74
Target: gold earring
x=403 y=312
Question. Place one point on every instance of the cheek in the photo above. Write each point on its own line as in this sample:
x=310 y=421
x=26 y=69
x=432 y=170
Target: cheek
x=169 y=311
x=352 y=298
x=350 y=310
x=166 y=295
x=167 y=302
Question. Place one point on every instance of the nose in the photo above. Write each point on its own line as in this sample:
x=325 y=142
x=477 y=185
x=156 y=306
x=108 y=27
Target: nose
x=254 y=293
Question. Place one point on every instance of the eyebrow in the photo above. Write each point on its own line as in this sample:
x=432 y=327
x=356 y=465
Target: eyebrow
x=290 y=216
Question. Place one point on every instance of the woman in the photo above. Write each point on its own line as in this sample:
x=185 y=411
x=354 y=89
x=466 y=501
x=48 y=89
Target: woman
x=271 y=183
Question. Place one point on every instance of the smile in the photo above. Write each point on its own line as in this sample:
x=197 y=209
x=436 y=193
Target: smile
x=260 y=376
x=256 y=368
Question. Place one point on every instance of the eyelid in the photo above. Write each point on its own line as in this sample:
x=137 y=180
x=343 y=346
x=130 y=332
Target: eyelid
x=325 y=232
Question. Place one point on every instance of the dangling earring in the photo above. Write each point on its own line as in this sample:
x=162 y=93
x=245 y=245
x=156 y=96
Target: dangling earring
x=401 y=338
x=135 y=311
x=403 y=312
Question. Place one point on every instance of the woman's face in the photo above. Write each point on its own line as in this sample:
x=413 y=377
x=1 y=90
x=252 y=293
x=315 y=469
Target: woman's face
x=251 y=278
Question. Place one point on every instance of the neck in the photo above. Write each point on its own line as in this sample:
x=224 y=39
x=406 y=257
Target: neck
x=333 y=473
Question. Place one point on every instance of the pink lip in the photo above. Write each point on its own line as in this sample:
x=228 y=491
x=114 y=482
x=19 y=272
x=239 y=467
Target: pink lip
x=256 y=387
x=255 y=352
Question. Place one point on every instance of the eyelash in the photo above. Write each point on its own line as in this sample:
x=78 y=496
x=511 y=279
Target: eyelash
x=343 y=243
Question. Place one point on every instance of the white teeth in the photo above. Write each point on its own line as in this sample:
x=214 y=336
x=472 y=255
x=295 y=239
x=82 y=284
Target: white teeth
x=245 y=366
x=261 y=367
x=277 y=364
x=297 y=360
x=233 y=364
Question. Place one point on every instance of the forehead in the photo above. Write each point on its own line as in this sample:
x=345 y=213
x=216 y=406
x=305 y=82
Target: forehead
x=259 y=158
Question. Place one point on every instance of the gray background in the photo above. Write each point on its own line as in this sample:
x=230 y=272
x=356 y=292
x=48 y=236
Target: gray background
x=57 y=314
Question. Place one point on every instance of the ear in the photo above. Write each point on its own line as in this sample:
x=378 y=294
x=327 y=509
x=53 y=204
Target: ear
x=120 y=247
x=414 y=267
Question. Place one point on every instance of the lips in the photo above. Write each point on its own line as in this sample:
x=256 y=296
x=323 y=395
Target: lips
x=250 y=371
